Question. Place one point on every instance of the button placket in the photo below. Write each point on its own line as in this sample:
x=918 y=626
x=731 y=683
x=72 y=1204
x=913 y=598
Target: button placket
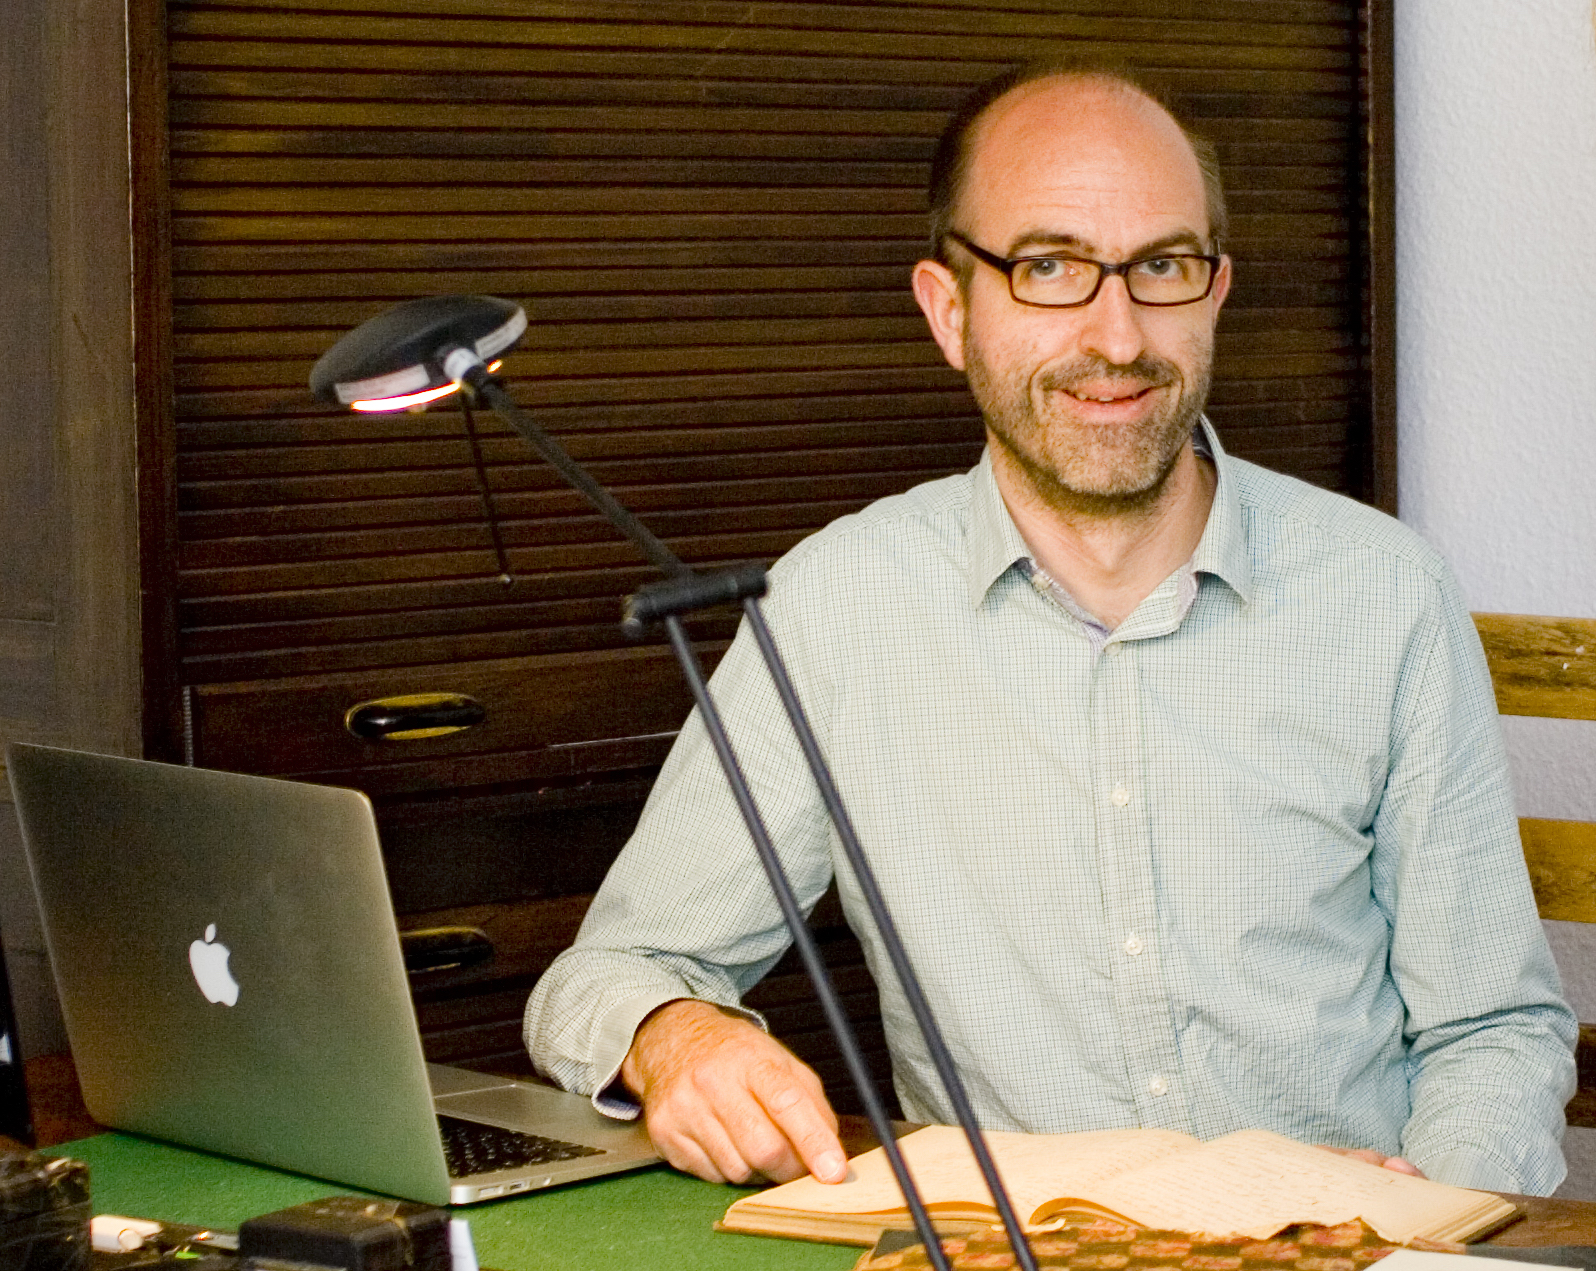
x=1125 y=871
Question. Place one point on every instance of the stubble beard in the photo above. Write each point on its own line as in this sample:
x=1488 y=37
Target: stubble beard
x=1080 y=468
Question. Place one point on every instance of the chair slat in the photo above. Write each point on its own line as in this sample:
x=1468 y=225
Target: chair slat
x=1562 y=866
x=1541 y=666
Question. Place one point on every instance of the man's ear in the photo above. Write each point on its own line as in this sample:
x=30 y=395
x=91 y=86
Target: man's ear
x=942 y=301
x=1221 y=284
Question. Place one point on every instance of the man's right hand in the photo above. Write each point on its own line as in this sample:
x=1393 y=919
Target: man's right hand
x=727 y=1102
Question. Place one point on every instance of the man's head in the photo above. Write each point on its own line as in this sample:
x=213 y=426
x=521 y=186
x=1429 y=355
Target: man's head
x=950 y=163
x=1089 y=405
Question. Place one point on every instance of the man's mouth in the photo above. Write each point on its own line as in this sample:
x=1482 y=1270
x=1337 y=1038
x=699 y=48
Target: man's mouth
x=1109 y=398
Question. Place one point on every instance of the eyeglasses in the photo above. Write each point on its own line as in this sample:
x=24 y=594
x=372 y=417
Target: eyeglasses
x=1068 y=282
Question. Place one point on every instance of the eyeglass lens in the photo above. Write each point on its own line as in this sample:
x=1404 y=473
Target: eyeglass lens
x=1062 y=280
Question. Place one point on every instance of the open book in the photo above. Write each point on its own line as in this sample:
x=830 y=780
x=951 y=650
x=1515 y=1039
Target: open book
x=1251 y=1183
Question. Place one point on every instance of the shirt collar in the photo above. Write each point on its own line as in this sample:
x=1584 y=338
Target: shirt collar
x=996 y=545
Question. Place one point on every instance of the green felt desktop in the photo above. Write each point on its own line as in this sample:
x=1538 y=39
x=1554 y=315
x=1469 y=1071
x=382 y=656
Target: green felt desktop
x=651 y=1218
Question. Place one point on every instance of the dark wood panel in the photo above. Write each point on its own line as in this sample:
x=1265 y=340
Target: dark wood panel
x=602 y=338
x=539 y=513
x=738 y=423
x=886 y=32
x=223 y=294
x=628 y=363
x=295 y=725
x=1278 y=11
x=548 y=542
x=433 y=73
x=1308 y=143
x=711 y=210
x=28 y=563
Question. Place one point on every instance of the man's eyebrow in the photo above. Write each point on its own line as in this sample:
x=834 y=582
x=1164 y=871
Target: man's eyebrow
x=1040 y=241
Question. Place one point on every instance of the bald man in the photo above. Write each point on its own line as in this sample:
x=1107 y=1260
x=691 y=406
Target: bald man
x=1182 y=778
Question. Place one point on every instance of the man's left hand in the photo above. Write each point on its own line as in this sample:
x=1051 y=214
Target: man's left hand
x=1399 y=1164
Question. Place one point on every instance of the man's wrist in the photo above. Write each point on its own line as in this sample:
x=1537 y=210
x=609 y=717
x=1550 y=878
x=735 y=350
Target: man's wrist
x=669 y=1025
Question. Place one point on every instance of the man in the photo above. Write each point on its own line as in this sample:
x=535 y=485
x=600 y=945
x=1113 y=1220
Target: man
x=1182 y=779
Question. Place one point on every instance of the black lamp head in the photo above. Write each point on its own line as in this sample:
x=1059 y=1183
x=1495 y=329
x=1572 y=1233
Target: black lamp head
x=395 y=359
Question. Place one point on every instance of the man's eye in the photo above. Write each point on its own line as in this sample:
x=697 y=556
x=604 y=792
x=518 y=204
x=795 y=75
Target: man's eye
x=1159 y=266
x=1051 y=268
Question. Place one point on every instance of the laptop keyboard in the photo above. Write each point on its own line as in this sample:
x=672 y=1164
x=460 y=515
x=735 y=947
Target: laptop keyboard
x=470 y=1147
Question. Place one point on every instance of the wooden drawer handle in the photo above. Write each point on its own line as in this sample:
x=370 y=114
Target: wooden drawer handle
x=414 y=716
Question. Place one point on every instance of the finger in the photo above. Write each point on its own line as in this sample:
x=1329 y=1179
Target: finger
x=691 y=1138
x=1403 y=1166
x=702 y=1150
x=804 y=1119
x=1367 y=1155
x=759 y=1140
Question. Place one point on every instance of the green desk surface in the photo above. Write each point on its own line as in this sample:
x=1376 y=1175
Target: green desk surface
x=652 y=1218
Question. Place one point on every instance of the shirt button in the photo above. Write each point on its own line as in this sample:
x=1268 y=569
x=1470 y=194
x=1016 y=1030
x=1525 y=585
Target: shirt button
x=1157 y=1086
x=1133 y=945
x=1121 y=796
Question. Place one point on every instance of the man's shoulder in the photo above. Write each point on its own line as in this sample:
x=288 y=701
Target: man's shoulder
x=1288 y=516
x=930 y=518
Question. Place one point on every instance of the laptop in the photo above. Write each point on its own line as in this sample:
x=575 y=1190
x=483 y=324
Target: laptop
x=231 y=979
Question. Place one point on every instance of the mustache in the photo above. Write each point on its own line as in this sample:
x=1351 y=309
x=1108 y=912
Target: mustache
x=1146 y=371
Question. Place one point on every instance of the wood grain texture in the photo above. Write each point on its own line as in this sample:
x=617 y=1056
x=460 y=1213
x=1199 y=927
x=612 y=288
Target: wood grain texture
x=1561 y=856
x=710 y=211
x=1541 y=666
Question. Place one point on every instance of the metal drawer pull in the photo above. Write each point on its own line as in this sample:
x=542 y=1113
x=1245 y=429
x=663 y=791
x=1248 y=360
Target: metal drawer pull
x=414 y=716
x=445 y=949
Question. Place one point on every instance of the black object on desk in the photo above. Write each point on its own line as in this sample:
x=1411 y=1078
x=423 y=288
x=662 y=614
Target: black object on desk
x=44 y=1213
x=16 y=1117
x=353 y=1233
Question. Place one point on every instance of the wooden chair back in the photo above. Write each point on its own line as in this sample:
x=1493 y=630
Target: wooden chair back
x=1546 y=667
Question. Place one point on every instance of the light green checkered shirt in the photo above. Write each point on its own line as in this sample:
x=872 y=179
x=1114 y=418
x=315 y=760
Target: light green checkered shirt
x=1255 y=863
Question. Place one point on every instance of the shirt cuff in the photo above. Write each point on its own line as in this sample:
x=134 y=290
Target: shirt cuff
x=1472 y=1167
x=613 y=1039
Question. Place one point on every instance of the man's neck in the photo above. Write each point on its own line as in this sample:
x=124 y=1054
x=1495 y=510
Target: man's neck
x=1110 y=562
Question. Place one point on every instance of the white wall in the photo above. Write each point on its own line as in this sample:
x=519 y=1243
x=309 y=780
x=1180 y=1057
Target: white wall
x=1496 y=395
x=1496 y=277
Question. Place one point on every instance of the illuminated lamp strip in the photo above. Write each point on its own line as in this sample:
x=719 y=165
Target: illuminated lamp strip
x=377 y=405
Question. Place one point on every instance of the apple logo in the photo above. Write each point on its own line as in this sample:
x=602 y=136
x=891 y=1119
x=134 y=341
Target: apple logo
x=209 y=963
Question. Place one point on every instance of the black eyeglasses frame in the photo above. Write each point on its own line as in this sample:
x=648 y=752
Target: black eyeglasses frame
x=1105 y=270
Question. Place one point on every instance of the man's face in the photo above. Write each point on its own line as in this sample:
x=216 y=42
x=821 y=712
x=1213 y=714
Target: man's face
x=1093 y=404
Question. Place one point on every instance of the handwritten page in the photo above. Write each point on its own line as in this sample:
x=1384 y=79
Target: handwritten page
x=1254 y=1183
x=1035 y=1168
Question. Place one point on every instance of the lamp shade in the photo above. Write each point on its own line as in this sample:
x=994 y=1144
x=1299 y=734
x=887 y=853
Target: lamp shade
x=392 y=360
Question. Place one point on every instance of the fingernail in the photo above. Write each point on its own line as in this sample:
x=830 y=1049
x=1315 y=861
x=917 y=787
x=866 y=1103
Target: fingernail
x=833 y=1165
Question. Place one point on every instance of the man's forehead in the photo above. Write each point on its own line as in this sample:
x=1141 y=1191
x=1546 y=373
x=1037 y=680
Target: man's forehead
x=1081 y=158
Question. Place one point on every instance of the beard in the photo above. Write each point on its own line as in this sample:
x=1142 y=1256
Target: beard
x=1074 y=465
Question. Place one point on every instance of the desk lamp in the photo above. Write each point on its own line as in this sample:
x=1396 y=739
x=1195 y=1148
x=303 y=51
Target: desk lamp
x=425 y=349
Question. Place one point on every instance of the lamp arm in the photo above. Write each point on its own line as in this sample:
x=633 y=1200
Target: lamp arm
x=488 y=387
x=667 y=602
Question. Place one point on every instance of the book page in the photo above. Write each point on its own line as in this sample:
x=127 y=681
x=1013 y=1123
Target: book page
x=1034 y=1167
x=1254 y=1182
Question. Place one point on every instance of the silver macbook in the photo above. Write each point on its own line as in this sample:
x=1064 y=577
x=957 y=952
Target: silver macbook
x=231 y=979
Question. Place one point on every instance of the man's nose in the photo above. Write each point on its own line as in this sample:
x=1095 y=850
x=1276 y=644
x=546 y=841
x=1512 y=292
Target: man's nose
x=1113 y=324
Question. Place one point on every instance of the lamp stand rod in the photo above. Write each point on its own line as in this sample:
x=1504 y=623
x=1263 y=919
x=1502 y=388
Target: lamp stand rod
x=667 y=602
